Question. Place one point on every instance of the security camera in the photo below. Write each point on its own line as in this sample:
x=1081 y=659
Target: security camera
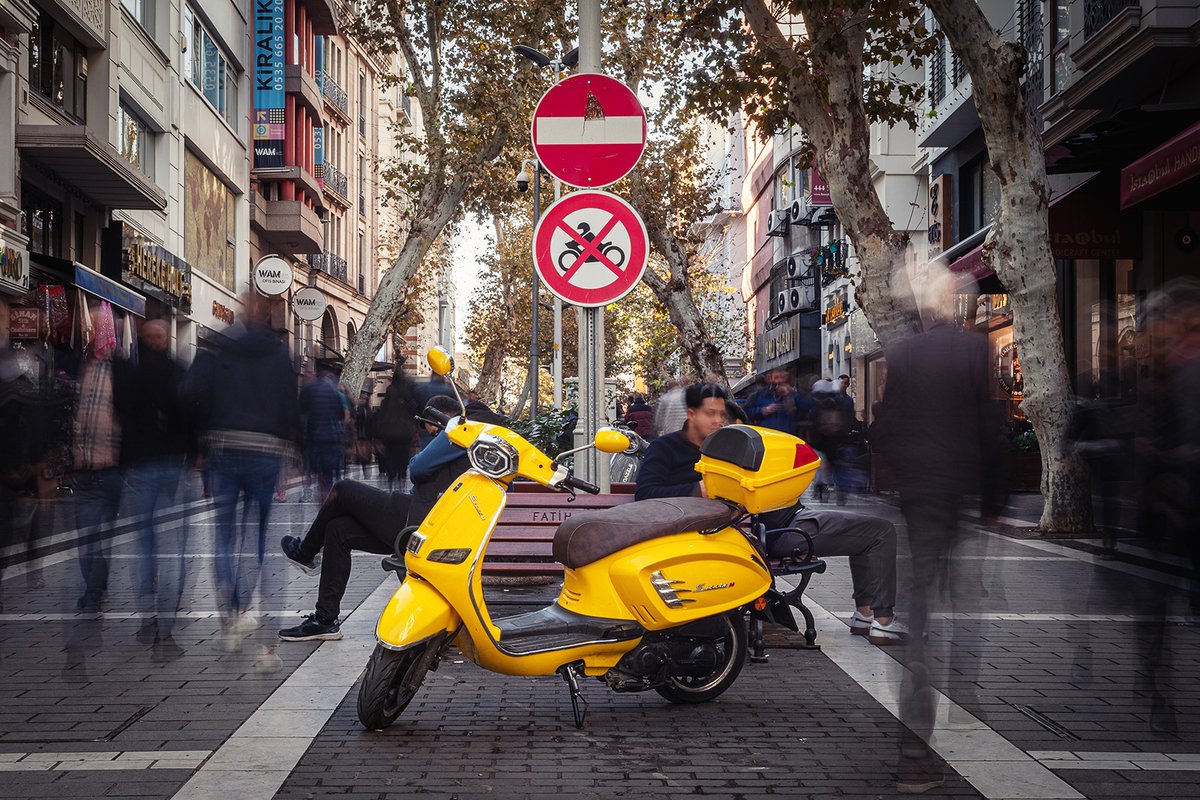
x=522 y=179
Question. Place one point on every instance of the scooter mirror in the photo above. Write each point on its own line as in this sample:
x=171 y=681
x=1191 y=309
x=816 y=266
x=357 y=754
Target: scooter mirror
x=611 y=440
x=440 y=361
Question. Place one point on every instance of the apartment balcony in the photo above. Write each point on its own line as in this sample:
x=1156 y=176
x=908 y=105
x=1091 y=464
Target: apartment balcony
x=1123 y=46
x=330 y=264
x=406 y=110
x=336 y=99
x=89 y=165
x=290 y=225
x=336 y=185
x=298 y=82
x=325 y=16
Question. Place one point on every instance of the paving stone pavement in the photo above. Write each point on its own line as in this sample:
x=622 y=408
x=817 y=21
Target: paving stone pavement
x=85 y=711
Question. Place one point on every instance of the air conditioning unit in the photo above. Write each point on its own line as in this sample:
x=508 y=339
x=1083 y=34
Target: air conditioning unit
x=790 y=301
x=796 y=266
x=797 y=212
x=777 y=222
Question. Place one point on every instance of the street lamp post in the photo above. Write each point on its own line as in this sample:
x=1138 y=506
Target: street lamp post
x=559 y=66
x=534 y=339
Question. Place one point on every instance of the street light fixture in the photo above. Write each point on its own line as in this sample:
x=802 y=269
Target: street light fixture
x=559 y=65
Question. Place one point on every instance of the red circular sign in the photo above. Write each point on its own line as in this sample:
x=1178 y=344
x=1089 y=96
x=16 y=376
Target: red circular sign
x=589 y=130
x=590 y=248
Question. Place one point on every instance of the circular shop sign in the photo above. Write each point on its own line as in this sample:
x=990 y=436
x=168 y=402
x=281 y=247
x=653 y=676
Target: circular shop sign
x=272 y=276
x=309 y=304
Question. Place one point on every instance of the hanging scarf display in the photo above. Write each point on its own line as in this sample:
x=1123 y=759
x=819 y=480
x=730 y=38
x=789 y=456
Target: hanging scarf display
x=56 y=315
x=104 y=344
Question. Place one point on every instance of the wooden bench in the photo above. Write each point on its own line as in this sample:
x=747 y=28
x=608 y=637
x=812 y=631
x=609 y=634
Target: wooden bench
x=520 y=550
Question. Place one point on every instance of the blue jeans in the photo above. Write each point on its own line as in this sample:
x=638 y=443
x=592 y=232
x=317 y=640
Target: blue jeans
x=150 y=486
x=97 y=500
x=237 y=474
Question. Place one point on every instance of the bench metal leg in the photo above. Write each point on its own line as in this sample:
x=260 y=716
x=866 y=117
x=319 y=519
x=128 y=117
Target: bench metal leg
x=758 y=648
x=795 y=599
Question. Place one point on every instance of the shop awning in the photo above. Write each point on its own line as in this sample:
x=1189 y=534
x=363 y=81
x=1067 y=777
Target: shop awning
x=1083 y=224
x=94 y=283
x=1171 y=163
x=91 y=165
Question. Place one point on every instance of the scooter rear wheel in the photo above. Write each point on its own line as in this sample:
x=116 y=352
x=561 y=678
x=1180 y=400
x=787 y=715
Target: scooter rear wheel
x=389 y=685
x=731 y=656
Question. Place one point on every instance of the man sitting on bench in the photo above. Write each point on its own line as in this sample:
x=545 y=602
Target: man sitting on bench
x=669 y=470
x=358 y=517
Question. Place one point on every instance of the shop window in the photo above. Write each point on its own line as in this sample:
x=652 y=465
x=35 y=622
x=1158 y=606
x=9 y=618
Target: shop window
x=43 y=221
x=210 y=216
x=58 y=66
x=208 y=69
x=1105 y=340
x=135 y=140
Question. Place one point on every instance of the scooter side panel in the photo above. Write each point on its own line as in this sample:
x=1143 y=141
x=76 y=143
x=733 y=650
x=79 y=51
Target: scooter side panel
x=670 y=580
x=415 y=612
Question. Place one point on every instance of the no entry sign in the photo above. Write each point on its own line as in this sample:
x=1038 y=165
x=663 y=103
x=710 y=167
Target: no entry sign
x=589 y=130
x=590 y=248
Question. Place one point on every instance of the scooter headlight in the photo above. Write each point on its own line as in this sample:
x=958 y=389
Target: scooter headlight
x=493 y=456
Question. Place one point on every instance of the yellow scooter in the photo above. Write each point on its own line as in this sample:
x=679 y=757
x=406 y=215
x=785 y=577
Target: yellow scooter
x=654 y=593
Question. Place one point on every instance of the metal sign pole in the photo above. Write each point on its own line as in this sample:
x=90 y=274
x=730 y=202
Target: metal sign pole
x=534 y=343
x=591 y=320
x=558 y=310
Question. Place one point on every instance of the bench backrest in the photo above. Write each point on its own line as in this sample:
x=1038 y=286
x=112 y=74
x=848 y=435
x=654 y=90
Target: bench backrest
x=521 y=544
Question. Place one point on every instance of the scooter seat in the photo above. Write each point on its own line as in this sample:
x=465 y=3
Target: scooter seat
x=592 y=535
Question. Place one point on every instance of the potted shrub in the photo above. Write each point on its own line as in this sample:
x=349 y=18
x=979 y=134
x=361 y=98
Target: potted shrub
x=1025 y=463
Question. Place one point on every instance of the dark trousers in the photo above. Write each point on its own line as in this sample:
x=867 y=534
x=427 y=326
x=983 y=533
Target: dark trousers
x=934 y=537
x=869 y=542
x=353 y=517
x=241 y=474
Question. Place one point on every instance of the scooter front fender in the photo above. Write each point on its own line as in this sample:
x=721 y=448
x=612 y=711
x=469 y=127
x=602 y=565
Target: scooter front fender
x=416 y=612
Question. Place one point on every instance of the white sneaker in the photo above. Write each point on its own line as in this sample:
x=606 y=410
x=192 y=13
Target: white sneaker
x=895 y=632
x=860 y=625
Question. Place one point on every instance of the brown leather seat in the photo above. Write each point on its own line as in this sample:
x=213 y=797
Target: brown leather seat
x=592 y=535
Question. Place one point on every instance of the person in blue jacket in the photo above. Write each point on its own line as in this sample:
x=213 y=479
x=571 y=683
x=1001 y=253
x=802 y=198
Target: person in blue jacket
x=358 y=517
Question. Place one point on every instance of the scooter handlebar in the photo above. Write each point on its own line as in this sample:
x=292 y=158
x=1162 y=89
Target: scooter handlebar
x=582 y=485
x=439 y=417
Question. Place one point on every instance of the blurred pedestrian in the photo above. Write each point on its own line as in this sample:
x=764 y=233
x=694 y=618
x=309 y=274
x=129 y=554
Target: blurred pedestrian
x=641 y=416
x=394 y=427
x=774 y=404
x=361 y=427
x=325 y=417
x=435 y=386
x=243 y=394
x=937 y=426
x=146 y=395
x=96 y=454
x=671 y=413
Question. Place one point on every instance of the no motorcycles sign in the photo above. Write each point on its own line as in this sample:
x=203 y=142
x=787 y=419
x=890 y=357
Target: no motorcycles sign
x=590 y=248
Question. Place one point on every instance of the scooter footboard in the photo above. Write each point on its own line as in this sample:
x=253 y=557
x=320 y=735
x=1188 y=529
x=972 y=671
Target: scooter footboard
x=416 y=612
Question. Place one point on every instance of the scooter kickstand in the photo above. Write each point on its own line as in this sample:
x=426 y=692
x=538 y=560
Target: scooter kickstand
x=578 y=701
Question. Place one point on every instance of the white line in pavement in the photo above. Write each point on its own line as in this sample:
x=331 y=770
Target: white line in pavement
x=255 y=761
x=1094 y=560
x=1007 y=616
x=992 y=764
x=105 y=760
x=1082 y=759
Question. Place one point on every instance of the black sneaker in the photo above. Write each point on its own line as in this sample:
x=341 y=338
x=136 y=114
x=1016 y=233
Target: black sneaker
x=312 y=629
x=291 y=551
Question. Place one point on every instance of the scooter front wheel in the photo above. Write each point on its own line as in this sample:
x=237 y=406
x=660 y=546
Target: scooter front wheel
x=725 y=654
x=390 y=683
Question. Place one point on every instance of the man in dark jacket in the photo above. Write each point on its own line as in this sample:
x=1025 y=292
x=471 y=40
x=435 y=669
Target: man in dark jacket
x=940 y=430
x=243 y=393
x=642 y=414
x=359 y=517
x=669 y=469
x=325 y=416
x=146 y=397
